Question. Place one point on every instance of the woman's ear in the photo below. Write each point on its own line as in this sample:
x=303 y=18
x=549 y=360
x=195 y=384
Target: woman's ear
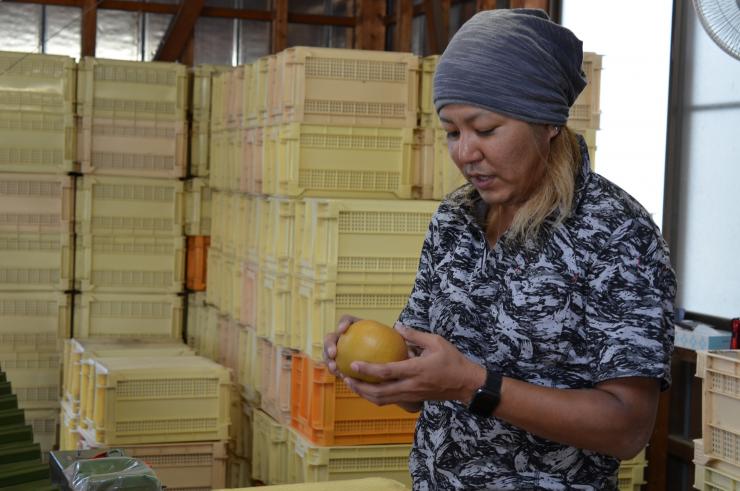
x=553 y=131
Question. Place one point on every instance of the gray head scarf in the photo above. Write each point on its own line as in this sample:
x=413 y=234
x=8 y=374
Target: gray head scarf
x=514 y=62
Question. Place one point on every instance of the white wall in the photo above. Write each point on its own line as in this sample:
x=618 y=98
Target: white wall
x=635 y=42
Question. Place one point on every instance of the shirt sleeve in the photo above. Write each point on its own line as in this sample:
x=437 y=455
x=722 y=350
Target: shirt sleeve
x=416 y=312
x=629 y=312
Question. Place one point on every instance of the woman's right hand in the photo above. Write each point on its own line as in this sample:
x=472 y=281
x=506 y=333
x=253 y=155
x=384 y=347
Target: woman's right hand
x=330 y=342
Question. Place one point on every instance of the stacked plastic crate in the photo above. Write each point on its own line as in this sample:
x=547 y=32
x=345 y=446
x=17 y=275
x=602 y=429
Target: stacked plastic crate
x=37 y=153
x=434 y=174
x=717 y=453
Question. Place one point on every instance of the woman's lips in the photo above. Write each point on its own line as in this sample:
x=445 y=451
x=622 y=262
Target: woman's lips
x=481 y=181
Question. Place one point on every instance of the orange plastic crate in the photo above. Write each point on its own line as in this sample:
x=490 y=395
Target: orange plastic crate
x=328 y=413
x=197 y=264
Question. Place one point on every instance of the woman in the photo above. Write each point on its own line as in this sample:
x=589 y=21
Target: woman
x=541 y=315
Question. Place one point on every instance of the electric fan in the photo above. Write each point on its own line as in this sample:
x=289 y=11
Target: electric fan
x=721 y=20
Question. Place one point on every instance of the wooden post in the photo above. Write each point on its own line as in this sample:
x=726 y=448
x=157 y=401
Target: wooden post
x=485 y=5
x=370 y=27
x=279 y=26
x=403 y=31
x=531 y=4
x=88 y=27
x=438 y=24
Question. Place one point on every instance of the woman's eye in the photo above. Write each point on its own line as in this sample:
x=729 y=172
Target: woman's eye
x=486 y=132
x=451 y=135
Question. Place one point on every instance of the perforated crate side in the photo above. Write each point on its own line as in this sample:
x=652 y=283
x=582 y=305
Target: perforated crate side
x=35 y=261
x=275 y=296
x=275 y=386
x=31 y=321
x=250 y=311
x=250 y=365
x=436 y=175
x=326 y=412
x=312 y=160
x=586 y=110
x=36 y=82
x=129 y=206
x=133 y=148
x=39 y=142
x=721 y=405
x=198 y=205
x=130 y=264
x=427 y=112
x=131 y=89
x=715 y=478
x=127 y=315
x=36 y=203
x=312 y=463
x=269 y=449
x=213 y=280
x=200 y=89
x=346 y=87
x=251 y=161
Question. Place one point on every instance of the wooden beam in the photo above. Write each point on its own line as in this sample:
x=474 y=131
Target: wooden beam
x=370 y=27
x=180 y=29
x=485 y=5
x=88 y=29
x=403 y=30
x=530 y=4
x=279 y=25
x=188 y=54
x=438 y=24
x=60 y=3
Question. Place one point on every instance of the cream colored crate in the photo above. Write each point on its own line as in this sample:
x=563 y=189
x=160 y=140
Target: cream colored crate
x=197 y=207
x=77 y=351
x=250 y=365
x=35 y=82
x=312 y=463
x=269 y=449
x=228 y=344
x=278 y=249
x=219 y=100
x=200 y=148
x=427 y=113
x=589 y=135
x=108 y=263
x=132 y=147
x=435 y=174
x=250 y=310
x=192 y=466
x=251 y=161
x=43 y=142
x=34 y=261
x=158 y=400
x=132 y=89
x=235 y=95
x=347 y=240
x=214 y=280
x=219 y=218
x=257 y=92
x=196 y=318
x=127 y=315
x=365 y=484
x=276 y=312
x=231 y=288
x=720 y=403
x=34 y=377
x=31 y=321
x=201 y=80
x=129 y=206
x=209 y=338
x=69 y=437
x=238 y=472
x=44 y=423
x=241 y=445
x=217 y=159
x=254 y=216
x=318 y=306
x=275 y=385
x=346 y=87
x=712 y=474
x=311 y=160
x=36 y=203
x=586 y=110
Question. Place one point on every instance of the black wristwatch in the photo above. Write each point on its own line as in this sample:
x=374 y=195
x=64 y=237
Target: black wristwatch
x=487 y=397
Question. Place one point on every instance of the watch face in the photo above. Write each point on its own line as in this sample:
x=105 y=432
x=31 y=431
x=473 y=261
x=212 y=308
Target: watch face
x=487 y=397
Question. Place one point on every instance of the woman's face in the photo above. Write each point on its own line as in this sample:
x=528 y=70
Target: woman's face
x=502 y=157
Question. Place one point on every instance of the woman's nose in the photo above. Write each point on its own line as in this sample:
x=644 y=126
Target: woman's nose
x=467 y=149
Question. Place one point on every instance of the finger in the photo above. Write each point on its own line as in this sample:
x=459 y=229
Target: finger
x=386 y=371
x=330 y=346
x=345 y=321
x=382 y=393
x=415 y=337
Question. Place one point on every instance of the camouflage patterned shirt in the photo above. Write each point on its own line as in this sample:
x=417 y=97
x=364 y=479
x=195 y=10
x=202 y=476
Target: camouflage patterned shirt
x=593 y=302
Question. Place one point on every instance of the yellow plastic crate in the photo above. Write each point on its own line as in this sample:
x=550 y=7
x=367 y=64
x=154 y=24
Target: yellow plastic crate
x=34 y=377
x=311 y=160
x=435 y=174
x=231 y=288
x=77 y=351
x=235 y=95
x=157 y=400
x=69 y=437
x=427 y=112
x=251 y=161
x=250 y=365
x=318 y=306
x=200 y=148
x=250 y=311
x=129 y=206
x=188 y=466
x=218 y=100
x=228 y=344
x=196 y=319
x=631 y=477
x=43 y=142
x=257 y=91
x=275 y=385
x=132 y=90
x=132 y=147
x=347 y=240
x=207 y=344
x=586 y=110
x=33 y=261
x=279 y=245
x=36 y=203
x=44 y=423
x=241 y=445
x=254 y=217
x=213 y=279
x=366 y=484
x=201 y=77
x=34 y=82
x=346 y=87
x=238 y=472
x=269 y=449
x=218 y=218
x=217 y=157
x=720 y=403
x=276 y=299
x=313 y=463
x=589 y=135
x=717 y=477
x=108 y=263
x=197 y=207
x=32 y=321
x=127 y=315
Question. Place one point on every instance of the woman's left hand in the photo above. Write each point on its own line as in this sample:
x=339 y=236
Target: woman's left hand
x=440 y=372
